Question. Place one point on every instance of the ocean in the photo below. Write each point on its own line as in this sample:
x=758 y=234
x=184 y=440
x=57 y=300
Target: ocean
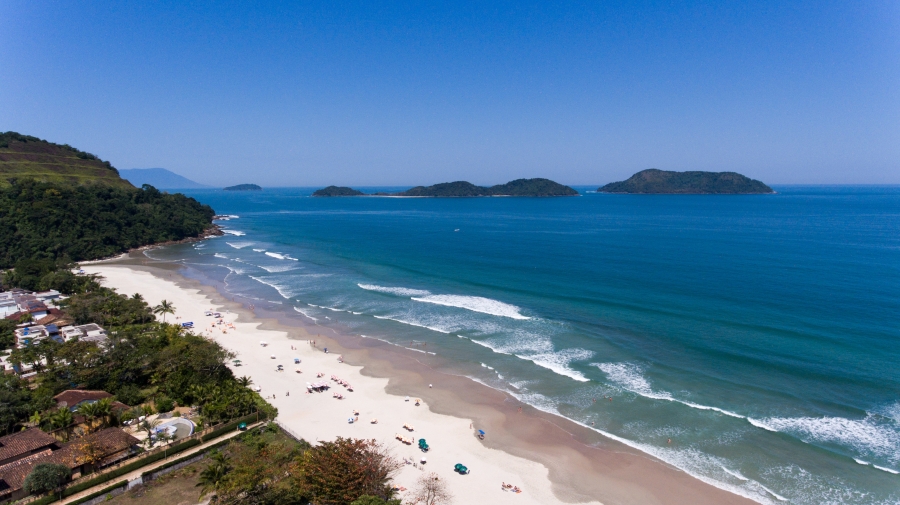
x=760 y=333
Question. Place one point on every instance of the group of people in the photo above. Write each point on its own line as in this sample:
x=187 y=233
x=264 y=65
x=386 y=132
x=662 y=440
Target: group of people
x=510 y=487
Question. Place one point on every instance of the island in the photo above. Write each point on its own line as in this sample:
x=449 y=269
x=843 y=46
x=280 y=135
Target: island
x=661 y=182
x=244 y=187
x=337 y=191
x=519 y=187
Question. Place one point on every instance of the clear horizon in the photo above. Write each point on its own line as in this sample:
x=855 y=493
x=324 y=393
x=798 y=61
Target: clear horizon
x=369 y=94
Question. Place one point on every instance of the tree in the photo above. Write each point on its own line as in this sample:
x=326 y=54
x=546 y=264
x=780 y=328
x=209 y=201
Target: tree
x=244 y=381
x=214 y=474
x=430 y=490
x=89 y=412
x=164 y=307
x=336 y=473
x=46 y=477
x=149 y=426
x=62 y=419
x=373 y=500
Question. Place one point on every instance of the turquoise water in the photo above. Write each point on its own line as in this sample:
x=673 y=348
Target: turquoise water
x=760 y=333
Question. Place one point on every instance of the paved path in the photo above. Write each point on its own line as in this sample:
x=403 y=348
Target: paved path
x=137 y=473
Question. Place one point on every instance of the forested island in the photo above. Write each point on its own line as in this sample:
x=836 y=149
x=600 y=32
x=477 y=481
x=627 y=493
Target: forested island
x=337 y=191
x=244 y=187
x=518 y=187
x=655 y=181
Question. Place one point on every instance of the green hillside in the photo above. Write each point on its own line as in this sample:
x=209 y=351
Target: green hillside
x=24 y=156
x=655 y=181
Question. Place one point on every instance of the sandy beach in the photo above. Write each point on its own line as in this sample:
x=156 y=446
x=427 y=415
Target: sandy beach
x=551 y=459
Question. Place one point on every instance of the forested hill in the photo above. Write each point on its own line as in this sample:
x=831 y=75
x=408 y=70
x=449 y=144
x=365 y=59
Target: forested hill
x=40 y=220
x=31 y=157
x=518 y=187
x=655 y=181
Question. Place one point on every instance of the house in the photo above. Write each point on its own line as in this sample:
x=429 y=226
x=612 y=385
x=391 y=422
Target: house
x=34 y=334
x=86 y=333
x=24 y=450
x=19 y=453
x=72 y=398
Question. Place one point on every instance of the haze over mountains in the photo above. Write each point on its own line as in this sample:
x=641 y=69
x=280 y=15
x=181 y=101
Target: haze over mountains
x=159 y=178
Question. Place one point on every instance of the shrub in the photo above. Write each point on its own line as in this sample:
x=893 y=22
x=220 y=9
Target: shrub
x=46 y=477
x=164 y=404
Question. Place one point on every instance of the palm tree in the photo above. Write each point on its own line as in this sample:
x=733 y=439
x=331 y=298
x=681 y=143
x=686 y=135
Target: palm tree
x=90 y=412
x=104 y=412
x=244 y=381
x=164 y=307
x=62 y=418
x=148 y=426
x=138 y=297
x=213 y=475
x=36 y=419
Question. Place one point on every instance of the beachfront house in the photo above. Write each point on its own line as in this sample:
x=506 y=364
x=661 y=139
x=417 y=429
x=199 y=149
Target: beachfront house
x=22 y=451
x=86 y=333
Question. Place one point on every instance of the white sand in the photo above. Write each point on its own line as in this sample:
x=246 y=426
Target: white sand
x=319 y=416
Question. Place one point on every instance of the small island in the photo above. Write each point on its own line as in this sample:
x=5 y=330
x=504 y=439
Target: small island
x=244 y=187
x=337 y=191
x=459 y=189
x=662 y=182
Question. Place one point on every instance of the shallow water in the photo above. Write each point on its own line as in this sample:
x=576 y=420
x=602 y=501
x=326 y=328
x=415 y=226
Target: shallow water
x=759 y=333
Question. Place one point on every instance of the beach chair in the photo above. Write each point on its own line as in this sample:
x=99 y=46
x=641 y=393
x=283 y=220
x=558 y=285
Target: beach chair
x=423 y=445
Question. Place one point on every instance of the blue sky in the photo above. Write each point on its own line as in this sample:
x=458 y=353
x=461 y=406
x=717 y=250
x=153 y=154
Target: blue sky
x=398 y=93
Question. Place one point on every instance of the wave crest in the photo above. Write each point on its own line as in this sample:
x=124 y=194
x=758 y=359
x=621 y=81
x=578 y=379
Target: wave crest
x=475 y=304
x=395 y=290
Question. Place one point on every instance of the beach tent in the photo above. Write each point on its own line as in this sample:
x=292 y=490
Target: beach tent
x=481 y=434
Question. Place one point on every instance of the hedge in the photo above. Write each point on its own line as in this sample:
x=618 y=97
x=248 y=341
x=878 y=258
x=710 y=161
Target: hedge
x=184 y=458
x=101 y=492
x=231 y=426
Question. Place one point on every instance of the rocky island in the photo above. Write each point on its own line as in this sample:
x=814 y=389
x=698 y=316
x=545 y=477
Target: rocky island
x=244 y=187
x=337 y=191
x=518 y=187
x=660 y=182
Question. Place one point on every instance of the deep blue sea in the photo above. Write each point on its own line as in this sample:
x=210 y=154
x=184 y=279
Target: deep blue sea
x=760 y=333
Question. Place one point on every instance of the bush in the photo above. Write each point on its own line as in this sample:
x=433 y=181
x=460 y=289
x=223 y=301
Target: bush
x=164 y=404
x=46 y=477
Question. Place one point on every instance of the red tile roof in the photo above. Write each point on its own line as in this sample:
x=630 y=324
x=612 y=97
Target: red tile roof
x=73 y=397
x=23 y=443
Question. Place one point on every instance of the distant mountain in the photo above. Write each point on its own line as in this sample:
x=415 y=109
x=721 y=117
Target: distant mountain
x=159 y=178
x=655 y=181
x=244 y=187
x=24 y=156
x=337 y=191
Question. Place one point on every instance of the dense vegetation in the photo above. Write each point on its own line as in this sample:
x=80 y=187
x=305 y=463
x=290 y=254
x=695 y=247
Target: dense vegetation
x=40 y=220
x=266 y=467
x=144 y=361
x=27 y=156
x=518 y=187
x=244 y=187
x=337 y=191
x=655 y=181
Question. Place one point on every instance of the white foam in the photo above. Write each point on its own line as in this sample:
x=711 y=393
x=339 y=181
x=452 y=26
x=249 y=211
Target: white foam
x=282 y=290
x=412 y=324
x=735 y=474
x=395 y=290
x=888 y=470
x=239 y=245
x=226 y=217
x=220 y=255
x=630 y=377
x=864 y=435
x=488 y=367
x=236 y=233
x=305 y=314
x=279 y=268
x=559 y=362
x=861 y=462
x=260 y=250
x=280 y=256
x=475 y=304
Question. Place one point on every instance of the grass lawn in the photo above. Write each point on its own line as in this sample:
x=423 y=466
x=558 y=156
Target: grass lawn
x=176 y=488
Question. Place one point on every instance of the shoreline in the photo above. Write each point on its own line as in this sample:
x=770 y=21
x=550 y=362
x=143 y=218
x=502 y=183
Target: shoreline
x=555 y=460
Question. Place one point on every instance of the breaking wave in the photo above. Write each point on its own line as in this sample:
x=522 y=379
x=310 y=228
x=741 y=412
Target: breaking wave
x=236 y=233
x=395 y=291
x=239 y=245
x=475 y=304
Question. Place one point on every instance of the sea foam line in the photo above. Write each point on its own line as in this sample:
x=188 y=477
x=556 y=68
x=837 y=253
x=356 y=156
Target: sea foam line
x=280 y=256
x=394 y=290
x=412 y=324
x=475 y=304
x=239 y=245
x=236 y=233
x=282 y=290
